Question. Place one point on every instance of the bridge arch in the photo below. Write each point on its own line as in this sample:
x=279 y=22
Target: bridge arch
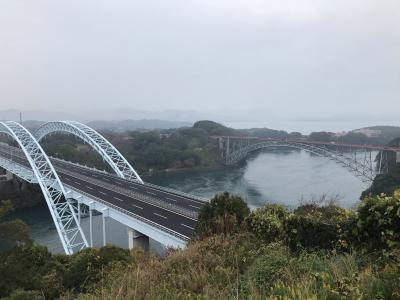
x=101 y=145
x=366 y=173
x=61 y=209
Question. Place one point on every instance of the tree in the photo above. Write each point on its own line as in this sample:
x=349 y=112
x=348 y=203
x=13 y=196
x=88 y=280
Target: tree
x=12 y=233
x=223 y=214
x=267 y=222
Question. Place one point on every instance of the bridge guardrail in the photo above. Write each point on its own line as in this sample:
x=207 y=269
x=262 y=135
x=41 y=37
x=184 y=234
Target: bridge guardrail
x=135 y=195
x=172 y=191
x=169 y=190
x=126 y=212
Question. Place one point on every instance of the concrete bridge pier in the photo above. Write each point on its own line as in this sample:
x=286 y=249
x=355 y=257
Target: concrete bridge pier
x=137 y=239
x=397 y=157
x=5 y=175
x=104 y=215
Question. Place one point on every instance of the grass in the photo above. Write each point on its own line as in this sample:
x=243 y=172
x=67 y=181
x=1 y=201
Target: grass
x=239 y=267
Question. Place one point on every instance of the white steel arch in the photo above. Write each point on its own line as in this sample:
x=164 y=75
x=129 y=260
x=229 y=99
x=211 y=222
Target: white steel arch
x=108 y=152
x=61 y=209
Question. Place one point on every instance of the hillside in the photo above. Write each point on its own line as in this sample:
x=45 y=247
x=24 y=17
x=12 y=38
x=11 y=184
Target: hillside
x=317 y=251
x=386 y=183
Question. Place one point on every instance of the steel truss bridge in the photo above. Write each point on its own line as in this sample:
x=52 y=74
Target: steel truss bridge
x=149 y=211
x=358 y=159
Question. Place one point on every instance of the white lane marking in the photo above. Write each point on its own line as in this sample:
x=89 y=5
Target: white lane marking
x=104 y=178
x=161 y=216
x=90 y=188
x=171 y=199
x=137 y=206
x=187 y=226
x=119 y=199
x=132 y=187
x=66 y=178
x=94 y=175
x=77 y=183
x=102 y=193
x=152 y=193
x=152 y=204
x=194 y=206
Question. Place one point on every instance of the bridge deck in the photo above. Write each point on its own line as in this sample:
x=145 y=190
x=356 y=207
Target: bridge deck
x=173 y=210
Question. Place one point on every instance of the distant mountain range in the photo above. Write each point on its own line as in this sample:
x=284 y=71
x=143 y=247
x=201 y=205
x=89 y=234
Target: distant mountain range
x=110 y=115
x=118 y=120
x=132 y=119
x=127 y=125
x=121 y=126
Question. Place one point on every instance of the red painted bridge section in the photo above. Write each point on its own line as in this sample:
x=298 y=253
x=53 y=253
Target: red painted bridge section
x=321 y=143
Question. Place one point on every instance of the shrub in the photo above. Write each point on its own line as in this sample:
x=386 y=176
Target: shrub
x=313 y=227
x=24 y=295
x=267 y=222
x=12 y=233
x=23 y=268
x=84 y=268
x=206 y=269
x=378 y=222
x=223 y=214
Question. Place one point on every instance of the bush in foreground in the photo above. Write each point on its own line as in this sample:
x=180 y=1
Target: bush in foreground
x=268 y=222
x=378 y=222
x=223 y=214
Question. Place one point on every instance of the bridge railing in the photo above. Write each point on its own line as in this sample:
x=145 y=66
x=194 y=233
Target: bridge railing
x=126 y=212
x=135 y=195
x=169 y=190
x=176 y=192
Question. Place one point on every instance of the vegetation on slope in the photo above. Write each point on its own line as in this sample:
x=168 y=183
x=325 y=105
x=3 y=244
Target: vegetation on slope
x=313 y=252
x=388 y=182
x=271 y=256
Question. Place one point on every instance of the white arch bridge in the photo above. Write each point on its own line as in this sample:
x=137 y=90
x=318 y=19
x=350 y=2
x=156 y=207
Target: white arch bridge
x=358 y=159
x=148 y=211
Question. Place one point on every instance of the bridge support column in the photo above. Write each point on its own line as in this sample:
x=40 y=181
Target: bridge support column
x=227 y=147
x=9 y=175
x=104 y=215
x=79 y=212
x=137 y=239
x=91 y=226
x=397 y=157
x=4 y=173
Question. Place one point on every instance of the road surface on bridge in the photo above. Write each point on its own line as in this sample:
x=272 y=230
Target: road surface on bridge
x=173 y=210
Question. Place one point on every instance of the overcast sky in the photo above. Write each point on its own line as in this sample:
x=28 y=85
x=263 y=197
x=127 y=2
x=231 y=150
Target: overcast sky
x=288 y=58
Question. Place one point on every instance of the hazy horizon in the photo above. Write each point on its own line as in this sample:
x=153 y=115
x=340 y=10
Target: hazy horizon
x=303 y=125
x=237 y=60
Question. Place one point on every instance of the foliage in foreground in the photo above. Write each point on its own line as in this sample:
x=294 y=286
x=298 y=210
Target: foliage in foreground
x=268 y=254
x=12 y=233
x=271 y=255
x=223 y=214
x=32 y=268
